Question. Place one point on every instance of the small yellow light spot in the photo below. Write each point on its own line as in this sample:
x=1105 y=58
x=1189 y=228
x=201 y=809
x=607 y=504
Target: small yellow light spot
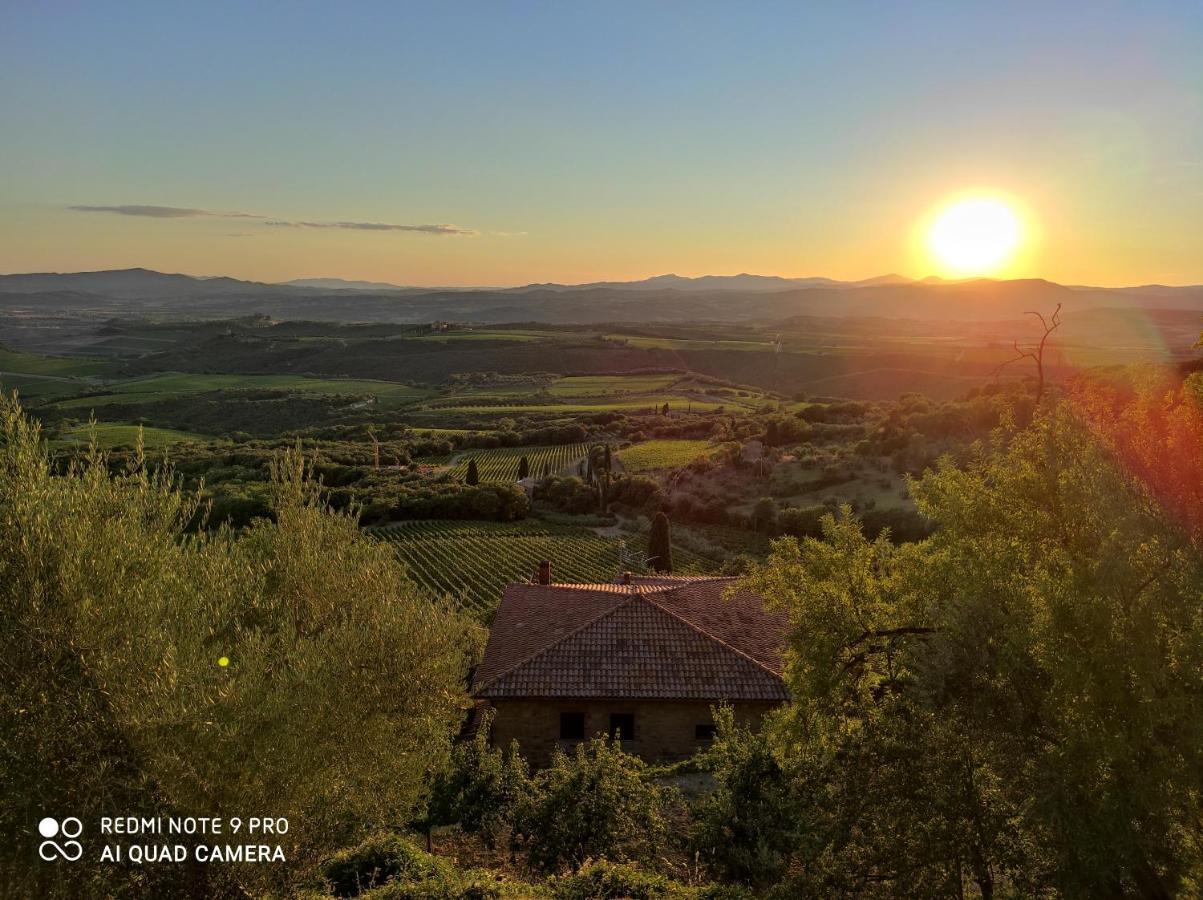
x=224 y=661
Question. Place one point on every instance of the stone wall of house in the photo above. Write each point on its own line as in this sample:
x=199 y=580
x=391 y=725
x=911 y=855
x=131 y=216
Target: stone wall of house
x=665 y=730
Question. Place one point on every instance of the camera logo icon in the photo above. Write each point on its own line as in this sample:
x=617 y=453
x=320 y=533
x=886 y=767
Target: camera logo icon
x=68 y=849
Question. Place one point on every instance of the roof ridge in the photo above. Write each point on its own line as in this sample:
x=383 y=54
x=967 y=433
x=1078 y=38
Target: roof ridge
x=718 y=640
x=539 y=652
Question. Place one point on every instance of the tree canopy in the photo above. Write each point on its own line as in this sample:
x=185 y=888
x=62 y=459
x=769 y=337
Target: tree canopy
x=1013 y=701
x=340 y=687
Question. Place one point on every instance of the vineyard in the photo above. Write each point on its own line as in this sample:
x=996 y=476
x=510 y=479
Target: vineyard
x=501 y=464
x=662 y=454
x=473 y=561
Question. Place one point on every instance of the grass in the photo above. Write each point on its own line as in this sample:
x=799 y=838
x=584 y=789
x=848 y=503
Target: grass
x=500 y=334
x=113 y=435
x=603 y=385
x=649 y=403
x=37 y=387
x=387 y=393
x=61 y=366
x=665 y=343
x=662 y=454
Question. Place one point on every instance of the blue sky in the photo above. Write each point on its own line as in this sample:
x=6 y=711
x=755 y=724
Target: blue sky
x=581 y=141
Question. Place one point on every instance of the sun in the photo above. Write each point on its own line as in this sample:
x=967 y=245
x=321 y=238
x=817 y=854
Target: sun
x=975 y=236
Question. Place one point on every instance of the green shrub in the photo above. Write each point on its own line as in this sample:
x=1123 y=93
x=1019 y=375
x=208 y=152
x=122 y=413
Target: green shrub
x=378 y=859
x=480 y=788
x=719 y=891
x=468 y=886
x=745 y=829
x=603 y=880
x=597 y=802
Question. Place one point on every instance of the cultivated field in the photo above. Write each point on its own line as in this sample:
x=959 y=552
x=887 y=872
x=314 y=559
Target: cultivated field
x=157 y=387
x=663 y=454
x=501 y=464
x=473 y=561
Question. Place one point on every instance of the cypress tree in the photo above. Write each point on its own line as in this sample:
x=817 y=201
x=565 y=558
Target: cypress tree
x=659 y=544
x=473 y=476
x=523 y=468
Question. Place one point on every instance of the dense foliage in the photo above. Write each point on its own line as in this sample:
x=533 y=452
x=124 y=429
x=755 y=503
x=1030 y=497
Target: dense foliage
x=1009 y=705
x=342 y=687
x=596 y=802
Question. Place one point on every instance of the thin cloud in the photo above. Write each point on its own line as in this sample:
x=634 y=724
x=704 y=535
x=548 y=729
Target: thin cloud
x=184 y=212
x=374 y=226
x=164 y=212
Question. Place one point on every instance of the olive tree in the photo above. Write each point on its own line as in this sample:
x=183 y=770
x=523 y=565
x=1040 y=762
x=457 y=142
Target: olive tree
x=291 y=670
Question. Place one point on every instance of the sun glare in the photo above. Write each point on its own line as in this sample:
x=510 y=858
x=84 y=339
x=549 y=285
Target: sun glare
x=975 y=236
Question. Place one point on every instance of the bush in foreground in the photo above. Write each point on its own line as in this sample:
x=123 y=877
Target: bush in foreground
x=599 y=802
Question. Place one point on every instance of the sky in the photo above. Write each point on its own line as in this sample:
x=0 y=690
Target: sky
x=511 y=143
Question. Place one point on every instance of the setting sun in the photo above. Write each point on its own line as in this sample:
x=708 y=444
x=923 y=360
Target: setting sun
x=975 y=236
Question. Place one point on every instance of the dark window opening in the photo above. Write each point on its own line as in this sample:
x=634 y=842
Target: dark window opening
x=572 y=726
x=622 y=726
x=704 y=732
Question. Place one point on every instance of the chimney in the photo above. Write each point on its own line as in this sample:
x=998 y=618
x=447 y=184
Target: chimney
x=544 y=576
x=626 y=577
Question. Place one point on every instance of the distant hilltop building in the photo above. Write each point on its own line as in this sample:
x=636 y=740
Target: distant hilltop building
x=643 y=660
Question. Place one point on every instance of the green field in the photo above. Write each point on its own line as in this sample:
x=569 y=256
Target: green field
x=174 y=384
x=652 y=403
x=474 y=561
x=498 y=334
x=501 y=464
x=127 y=435
x=665 y=454
x=666 y=343
x=608 y=385
x=39 y=387
x=62 y=366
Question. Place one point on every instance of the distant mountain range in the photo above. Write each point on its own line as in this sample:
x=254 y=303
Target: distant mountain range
x=664 y=298
x=741 y=282
x=341 y=284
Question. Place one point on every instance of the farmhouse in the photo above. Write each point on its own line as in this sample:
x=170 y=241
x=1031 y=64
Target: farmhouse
x=643 y=660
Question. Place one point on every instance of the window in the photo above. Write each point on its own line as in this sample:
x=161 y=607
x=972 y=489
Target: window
x=703 y=732
x=572 y=726
x=622 y=726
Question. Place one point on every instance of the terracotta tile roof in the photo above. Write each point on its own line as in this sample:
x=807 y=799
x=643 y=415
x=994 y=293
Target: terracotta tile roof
x=532 y=616
x=735 y=616
x=658 y=637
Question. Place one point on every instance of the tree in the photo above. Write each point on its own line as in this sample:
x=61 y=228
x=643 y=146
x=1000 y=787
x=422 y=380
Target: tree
x=664 y=409
x=481 y=788
x=745 y=829
x=599 y=802
x=523 y=468
x=472 y=476
x=764 y=514
x=339 y=692
x=1035 y=352
x=659 y=544
x=1012 y=701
